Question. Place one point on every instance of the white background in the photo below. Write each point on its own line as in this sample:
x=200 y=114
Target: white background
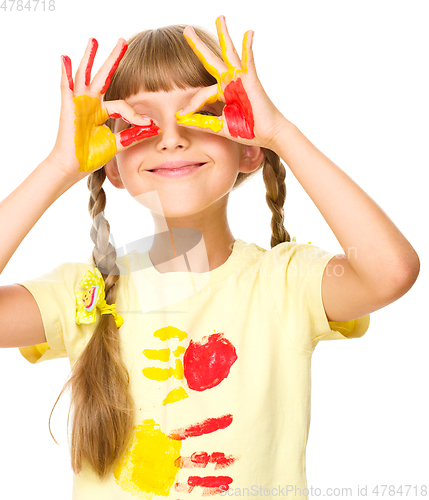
x=353 y=76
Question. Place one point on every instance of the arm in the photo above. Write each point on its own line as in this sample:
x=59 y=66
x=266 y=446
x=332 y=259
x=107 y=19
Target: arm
x=79 y=149
x=379 y=265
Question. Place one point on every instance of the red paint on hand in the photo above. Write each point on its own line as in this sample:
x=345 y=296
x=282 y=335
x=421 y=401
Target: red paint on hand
x=205 y=427
x=67 y=66
x=238 y=111
x=94 y=47
x=137 y=133
x=118 y=115
x=208 y=362
x=113 y=69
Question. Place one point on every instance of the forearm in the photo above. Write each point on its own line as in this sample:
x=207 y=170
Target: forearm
x=375 y=248
x=20 y=211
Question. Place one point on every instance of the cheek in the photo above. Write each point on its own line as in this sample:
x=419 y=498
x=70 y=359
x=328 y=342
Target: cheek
x=131 y=157
x=228 y=150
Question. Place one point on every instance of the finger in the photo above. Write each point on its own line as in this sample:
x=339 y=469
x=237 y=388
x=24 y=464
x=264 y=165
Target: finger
x=121 y=109
x=214 y=123
x=83 y=73
x=211 y=61
x=66 y=74
x=247 y=60
x=189 y=114
x=229 y=53
x=206 y=95
x=133 y=135
x=102 y=79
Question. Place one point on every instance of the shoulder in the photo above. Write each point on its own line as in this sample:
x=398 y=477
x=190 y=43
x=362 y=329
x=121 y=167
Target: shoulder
x=288 y=262
x=298 y=260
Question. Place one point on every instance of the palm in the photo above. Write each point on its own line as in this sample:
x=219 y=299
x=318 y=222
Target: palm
x=248 y=113
x=85 y=112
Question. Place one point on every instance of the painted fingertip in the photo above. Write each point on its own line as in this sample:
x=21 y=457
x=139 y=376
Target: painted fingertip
x=93 y=44
x=68 y=69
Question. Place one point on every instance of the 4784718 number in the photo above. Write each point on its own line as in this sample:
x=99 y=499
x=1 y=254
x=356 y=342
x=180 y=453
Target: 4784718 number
x=29 y=5
x=402 y=490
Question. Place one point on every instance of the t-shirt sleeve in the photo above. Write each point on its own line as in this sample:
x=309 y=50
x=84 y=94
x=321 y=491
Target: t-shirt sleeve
x=54 y=293
x=295 y=273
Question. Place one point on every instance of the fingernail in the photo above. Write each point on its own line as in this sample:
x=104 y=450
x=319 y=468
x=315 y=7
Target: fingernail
x=146 y=120
x=142 y=120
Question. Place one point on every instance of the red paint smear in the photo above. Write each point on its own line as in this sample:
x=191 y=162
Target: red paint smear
x=137 y=133
x=210 y=481
x=115 y=65
x=118 y=115
x=221 y=460
x=205 y=427
x=200 y=459
x=208 y=362
x=238 y=111
x=88 y=69
x=68 y=67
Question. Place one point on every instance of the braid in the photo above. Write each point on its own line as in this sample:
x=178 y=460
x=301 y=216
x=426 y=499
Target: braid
x=102 y=404
x=274 y=174
x=104 y=253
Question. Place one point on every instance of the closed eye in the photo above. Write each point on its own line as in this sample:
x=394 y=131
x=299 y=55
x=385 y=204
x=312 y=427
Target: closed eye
x=205 y=112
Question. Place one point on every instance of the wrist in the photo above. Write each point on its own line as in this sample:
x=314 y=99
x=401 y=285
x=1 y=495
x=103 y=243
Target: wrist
x=280 y=133
x=58 y=175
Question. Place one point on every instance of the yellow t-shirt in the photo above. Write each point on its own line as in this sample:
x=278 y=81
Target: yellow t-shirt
x=220 y=369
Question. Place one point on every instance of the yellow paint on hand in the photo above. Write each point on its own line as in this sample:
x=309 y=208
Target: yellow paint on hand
x=170 y=332
x=148 y=467
x=159 y=354
x=229 y=74
x=174 y=395
x=212 y=122
x=232 y=73
x=211 y=69
x=244 y=53
x=95 y=144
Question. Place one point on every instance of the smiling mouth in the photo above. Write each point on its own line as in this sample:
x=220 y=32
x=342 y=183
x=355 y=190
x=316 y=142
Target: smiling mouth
x=176 y=169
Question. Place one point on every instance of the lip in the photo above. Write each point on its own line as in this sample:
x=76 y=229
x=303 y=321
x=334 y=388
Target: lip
x=176 y=169
x=178 y=172
x=169 y=165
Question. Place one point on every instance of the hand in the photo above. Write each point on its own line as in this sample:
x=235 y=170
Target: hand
x=84 y=143
x=249 y=116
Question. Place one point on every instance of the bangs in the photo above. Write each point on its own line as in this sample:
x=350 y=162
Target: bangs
x=161 y=60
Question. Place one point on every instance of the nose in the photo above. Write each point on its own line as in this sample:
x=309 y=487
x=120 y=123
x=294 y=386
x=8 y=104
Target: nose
x=172 y=137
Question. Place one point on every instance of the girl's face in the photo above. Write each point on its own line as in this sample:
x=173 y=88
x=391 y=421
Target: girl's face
x=206 y=187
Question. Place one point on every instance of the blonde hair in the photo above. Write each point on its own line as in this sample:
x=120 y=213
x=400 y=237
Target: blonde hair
x=156 y=60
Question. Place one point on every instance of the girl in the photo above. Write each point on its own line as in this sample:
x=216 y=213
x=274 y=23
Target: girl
x=191 y=359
